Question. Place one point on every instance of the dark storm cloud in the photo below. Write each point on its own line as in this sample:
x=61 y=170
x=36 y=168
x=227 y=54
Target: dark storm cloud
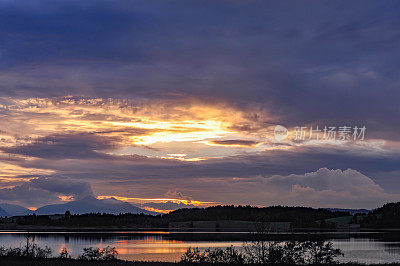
x=65 y=186
x=149 y=177
x=306 y=62
x=79 y=145
x=233 y=142
x=381 y=168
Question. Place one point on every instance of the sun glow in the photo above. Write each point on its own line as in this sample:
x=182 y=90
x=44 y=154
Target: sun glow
x=129 y=123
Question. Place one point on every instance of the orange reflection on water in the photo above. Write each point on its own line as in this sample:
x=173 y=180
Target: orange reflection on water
x=149 y=244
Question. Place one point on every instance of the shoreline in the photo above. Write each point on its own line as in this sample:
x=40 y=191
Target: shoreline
x=18 y=261
x=164 y=230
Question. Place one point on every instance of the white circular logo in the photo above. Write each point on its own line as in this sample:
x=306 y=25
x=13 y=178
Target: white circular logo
x=280 y=133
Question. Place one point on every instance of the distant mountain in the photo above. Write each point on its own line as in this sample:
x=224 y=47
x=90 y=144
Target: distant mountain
x=90 y=204
x=15 y=210
x=351 y=211
x=3 y=213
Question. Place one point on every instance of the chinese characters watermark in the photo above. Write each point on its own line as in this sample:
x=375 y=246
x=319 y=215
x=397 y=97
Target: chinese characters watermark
x=302 y=133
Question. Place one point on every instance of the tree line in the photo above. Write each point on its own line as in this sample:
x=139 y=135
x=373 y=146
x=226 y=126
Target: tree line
x=298 y=216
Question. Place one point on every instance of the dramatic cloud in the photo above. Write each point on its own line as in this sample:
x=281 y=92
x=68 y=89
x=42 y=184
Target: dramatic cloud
x=65 y=146
x=305 y=69
x=144 y=149
x=136 y=99
x=327 y=67
x=330 y=188
x=322 y=188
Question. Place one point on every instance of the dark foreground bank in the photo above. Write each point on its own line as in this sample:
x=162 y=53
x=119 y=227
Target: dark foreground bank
x=68 y=262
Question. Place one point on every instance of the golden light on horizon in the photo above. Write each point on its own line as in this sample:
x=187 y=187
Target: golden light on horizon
x=150 y=209
x=162 y=200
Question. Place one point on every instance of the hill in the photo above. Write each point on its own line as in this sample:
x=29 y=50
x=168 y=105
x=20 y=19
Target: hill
x=299 y=216
x=3 y=213
x=387 y=216
x=15 y=210
x=90 y=204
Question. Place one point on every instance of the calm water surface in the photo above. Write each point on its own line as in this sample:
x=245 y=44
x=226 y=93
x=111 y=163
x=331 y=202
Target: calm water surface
x=167 y=246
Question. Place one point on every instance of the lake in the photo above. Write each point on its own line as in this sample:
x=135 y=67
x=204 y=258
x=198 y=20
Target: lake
x=367 y=247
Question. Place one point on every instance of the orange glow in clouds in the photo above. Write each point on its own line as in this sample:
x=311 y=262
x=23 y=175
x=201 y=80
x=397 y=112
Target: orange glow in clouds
x=66 y=198
x=164 y=200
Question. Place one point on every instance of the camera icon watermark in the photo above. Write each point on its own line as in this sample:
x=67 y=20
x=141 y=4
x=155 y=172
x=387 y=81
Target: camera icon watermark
x=281 y=133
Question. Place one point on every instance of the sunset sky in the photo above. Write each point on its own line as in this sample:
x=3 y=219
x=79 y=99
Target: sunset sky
x=171 y=104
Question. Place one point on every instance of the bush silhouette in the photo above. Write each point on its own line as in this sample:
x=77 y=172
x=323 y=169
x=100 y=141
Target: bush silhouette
x=92 y=254
x=259 y=252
